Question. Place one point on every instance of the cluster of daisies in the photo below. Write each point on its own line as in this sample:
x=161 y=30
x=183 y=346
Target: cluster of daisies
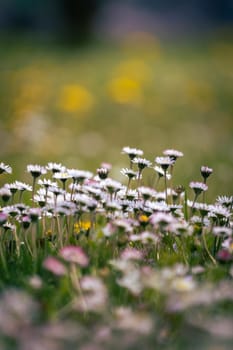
x=65 y=198
x=111 y=243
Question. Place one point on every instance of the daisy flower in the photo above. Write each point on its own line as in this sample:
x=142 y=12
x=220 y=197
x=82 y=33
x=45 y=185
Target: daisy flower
x=111 y=185
x=12 y=187
x=5 y=193
x=112 y=205
x=4 y=168
x=86 y=201
x=146 y=192
x=175 y=207
x=144 y=237
x=158 y=206
x=132 y=152
x=46 y=183
x=94 y=192
x=129 y=173
x=9 y=226
x=142 y=163
x=23 y=186
x=173 y=154
x=206 y=172
x=36 y=170
x=220 y=211
x=131 y=254
x=131 y=194
x=74 y=254
x=79 y=175
x=55 y=266
x=159 y=170
x=222 y=231
x=62 y=176
x=123 y=224
x=164 y=162
x=179 y=189
x=203 y=208
x=11 y=210
x=198 y=187
x=126 y=205
x=225 y=201
x=161 y=219
x=40 y=199
x=55 y=167
x=34 y=214
x=56 y=191
x=3 y=218
x=102 y=173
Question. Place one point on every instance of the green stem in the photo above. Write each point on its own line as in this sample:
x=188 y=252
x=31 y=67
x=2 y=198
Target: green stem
x=72 y=191
x=139 y=177
x=194 y=201
x=26 y=233
x=157 y=182
x=165 y=183
x=59 y=231
x=33 y=187
x=127 y=189
x=181 y=246
x=64 y=189
x=2 y=257
x=171 y=182
x=20 y=196
x=204 y=194
x=207 y=249
x=76 y=283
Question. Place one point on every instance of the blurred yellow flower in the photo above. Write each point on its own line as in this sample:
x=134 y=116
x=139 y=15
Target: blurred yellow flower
x=125 y=90
x=30 y=97
x=83 y=225
x=74 y=98
x=49 y=233
x=143 y=218
x=134 y=69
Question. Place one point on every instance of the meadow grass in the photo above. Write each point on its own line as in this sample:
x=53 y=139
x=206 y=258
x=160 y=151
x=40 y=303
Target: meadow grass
x=135 y=252
x=90 y=261
x=83 y=105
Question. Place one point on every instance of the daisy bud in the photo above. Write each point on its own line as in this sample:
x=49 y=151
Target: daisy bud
x=206 y=171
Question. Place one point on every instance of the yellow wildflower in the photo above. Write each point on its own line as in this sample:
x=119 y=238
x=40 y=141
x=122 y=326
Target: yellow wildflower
x=143 y=219
x=134 y=69
x=83 y=225
x=74 y=98
x=49 y=233
x=125 y=90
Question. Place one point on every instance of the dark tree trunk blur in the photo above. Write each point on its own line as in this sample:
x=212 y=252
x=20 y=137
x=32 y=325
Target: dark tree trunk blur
x=77 y=18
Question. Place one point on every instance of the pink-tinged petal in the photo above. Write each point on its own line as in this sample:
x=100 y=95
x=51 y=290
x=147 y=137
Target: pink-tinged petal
x=75 y=255
x=55 y=266
x=224 y=255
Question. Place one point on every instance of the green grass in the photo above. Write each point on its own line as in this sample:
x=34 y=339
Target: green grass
x=80 y=107
x=185 y=103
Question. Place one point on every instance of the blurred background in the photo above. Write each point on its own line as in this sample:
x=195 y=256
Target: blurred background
x=80 y=79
